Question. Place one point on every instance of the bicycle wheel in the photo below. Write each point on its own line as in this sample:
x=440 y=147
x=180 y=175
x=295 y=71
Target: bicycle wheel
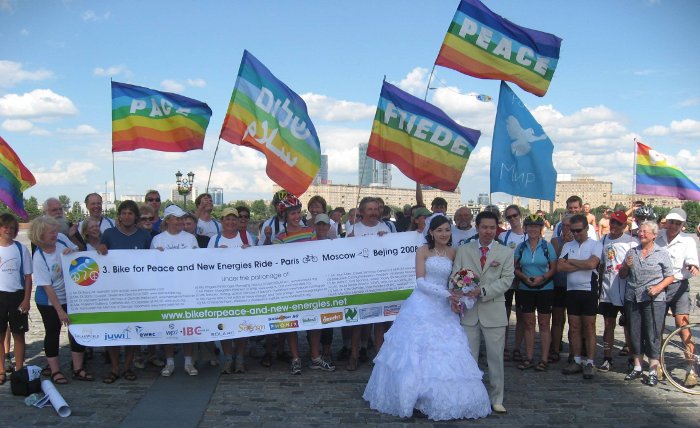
x=677 y=358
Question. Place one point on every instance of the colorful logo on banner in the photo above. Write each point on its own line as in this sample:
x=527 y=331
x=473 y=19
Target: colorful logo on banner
x=84 y=271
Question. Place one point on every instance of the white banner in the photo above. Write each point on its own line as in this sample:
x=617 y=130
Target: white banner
x=131 y=297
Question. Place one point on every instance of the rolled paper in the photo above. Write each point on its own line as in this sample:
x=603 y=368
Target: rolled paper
x=57 y=401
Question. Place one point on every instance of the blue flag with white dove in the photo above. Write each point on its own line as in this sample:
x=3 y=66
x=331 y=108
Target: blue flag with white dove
x=521 y=154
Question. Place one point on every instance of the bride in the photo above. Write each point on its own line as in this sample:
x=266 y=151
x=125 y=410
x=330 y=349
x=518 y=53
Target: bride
x=425 y=362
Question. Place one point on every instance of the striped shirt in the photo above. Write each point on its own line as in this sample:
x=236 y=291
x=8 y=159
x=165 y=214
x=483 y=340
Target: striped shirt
x=647 y=272
x=301 y=235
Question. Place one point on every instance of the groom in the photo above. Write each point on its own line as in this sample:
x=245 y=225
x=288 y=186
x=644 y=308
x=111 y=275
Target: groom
x=493 y=263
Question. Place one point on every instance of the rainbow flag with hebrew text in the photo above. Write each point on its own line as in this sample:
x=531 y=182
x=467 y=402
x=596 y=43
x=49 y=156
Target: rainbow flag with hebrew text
x=266 y=115
x=483 y=44
x=15 y=178
x=420 y=139
x=654 y=176
x=144 y=118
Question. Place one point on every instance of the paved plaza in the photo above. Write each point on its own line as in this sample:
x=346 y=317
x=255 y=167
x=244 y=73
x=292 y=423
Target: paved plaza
x=272 y=397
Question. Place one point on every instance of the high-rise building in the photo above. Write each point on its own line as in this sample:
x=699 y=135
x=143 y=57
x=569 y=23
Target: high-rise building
x=217 y=195
x=178 y=198
x=483 y=199
x=322 y=176
x=371 y=171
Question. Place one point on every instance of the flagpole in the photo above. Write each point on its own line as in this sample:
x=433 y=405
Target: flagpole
x=634 y=168
x=212 y=164
x=114 y=179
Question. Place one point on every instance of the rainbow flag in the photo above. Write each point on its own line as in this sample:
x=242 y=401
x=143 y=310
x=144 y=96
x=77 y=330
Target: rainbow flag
x=654 y=176
x=485 y=45
x=144 y=118
x=420 y=139
x=15 y=178
x=264 y=114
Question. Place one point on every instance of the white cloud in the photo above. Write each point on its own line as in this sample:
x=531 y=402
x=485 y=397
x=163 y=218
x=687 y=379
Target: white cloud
x=686 y=127
x=415 y=81
x=341 y=146
x=172 y=85
x=197 y=83
x=63 y=173
x=79 y=130
x=466 y=109
x=39 y=132
x=13 y=73
x=330 y=109
x=24 y=32
x=7 y=5
x=690 y=102
x=17 y=125
x=645 y=72
x=91 y=16
x=39 y=102
x=112 y=71
x=656 y=131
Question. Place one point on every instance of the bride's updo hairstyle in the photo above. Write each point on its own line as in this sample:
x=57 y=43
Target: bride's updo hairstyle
x=437 y=221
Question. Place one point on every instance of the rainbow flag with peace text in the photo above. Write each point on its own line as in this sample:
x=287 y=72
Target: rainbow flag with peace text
x=266 y=115
x=483 y=44
x=420 y=139
x=654 y=176
x=144 y=118
x=15 y=178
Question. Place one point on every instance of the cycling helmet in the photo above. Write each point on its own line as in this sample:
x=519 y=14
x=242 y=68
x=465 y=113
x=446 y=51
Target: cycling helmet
x=533 y=219
x=279 y=196
x=645 y=213
x=289 y=202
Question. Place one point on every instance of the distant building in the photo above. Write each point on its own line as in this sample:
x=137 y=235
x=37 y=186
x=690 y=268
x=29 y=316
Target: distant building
x=139 y=199
x=655 y=201
x=483 y=199
x=178 y=198
x=322 y=176
x=217 y=195
x=372 y=171
x=592 y=191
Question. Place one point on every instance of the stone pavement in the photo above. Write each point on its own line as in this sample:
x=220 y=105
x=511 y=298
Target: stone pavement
x=272 y=397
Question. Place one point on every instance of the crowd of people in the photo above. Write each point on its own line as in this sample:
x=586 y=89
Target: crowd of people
x=624 y=264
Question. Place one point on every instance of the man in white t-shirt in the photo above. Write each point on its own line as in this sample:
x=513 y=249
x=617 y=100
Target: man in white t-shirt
x=615 y=246
x=93 y=202
x=206 y=224
x=574 y=205
x=579 y=259
x=462 y=229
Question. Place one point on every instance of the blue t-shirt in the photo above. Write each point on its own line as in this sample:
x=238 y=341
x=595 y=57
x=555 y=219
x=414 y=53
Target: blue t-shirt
x=114 y=239
x=535 y=264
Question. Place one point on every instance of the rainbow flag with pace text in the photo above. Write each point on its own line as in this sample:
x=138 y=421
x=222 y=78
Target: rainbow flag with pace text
x=654 y=176
x=15 y=178
x=483 y=44
x=144 y=118
x=420 y=139
x=266 y=115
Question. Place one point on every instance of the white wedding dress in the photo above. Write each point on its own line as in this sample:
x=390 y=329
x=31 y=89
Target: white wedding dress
x=425 y=362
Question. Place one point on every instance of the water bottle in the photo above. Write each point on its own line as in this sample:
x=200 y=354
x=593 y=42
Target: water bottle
x=33 y=399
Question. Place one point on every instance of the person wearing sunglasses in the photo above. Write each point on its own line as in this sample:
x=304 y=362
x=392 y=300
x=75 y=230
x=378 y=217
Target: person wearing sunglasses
x=243 y=220
x=512 y=238
x=579 y=259
x=153 y=199
x=148 y=218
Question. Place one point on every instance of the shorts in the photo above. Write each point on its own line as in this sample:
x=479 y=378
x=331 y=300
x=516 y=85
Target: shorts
x=581 y=303
x=608 y=310
x=529 y=301
x=10 y=314
x=559 y=300
x=678 y=298
x=509 y=298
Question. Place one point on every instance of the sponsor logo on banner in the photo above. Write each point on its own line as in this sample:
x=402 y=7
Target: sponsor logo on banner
x=284 y=325
x=283 y=317
x=371 y=312
x=245 y=326
x=331 y=317
x=309 y=319
x=84 y=271
x=390 y=310
x=121 y=336
x=172 y=331
x=143 y=333
x=86 y=335
x=192 y=331
x=351 y=315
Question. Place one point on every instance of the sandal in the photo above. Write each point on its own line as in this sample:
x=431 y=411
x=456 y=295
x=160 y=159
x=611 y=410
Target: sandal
x=3 y=378
x=625 y=351
x=506 y=355
x=110 y=378
x=542 y=366
x=526 y=364
x=58 y=379
x=46 y=371
x=129 y=375
x=554 y=357
x=517 y=356
x=82 y=375
x=266 y=360
x=352 y=364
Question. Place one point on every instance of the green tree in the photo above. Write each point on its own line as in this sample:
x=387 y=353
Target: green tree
x=31 y=206
x=692 y=209
x=259 y=210
x=65 y=202
x=241 y=204
x=661 y=212
x=75 y=214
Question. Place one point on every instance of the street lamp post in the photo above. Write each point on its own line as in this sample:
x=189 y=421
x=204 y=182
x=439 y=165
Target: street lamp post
x=184 y=186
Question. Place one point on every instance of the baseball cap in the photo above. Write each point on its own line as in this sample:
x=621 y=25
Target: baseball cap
x=322 y=218
x=421 y=211
x=173 y=210
x=229 y=211
x=619 y=216
x=676 y=214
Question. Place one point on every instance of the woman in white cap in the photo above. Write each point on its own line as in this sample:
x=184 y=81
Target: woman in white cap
x=173 y=237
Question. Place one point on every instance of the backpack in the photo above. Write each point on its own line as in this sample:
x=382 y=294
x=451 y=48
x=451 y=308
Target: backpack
x=26 y=381
x=521 y=248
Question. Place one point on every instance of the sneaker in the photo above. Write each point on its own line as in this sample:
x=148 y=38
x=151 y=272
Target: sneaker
x=227 y=367
x=691 y=380
x=572 y=368
x=652 y=379
x=605 y=367
x=363 y=355
x=343 y=354
x=588 y=371
x=168 y=370
x=191 y=370
x=156 y=361
x=633 y=374
x=239 y=367
x=139 y=363
x=321 y=364
x=296 y=366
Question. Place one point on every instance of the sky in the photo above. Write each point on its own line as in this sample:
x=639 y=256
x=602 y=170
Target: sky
x=627 y=69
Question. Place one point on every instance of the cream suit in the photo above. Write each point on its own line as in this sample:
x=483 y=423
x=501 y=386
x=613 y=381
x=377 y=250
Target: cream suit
x=488 y=316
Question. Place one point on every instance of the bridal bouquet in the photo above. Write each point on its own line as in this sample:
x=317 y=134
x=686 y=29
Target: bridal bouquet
x=464 y=280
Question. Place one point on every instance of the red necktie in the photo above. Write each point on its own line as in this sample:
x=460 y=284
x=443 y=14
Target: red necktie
x=484 y=252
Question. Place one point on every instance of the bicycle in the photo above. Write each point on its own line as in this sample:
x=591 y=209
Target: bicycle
x=676 y=358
